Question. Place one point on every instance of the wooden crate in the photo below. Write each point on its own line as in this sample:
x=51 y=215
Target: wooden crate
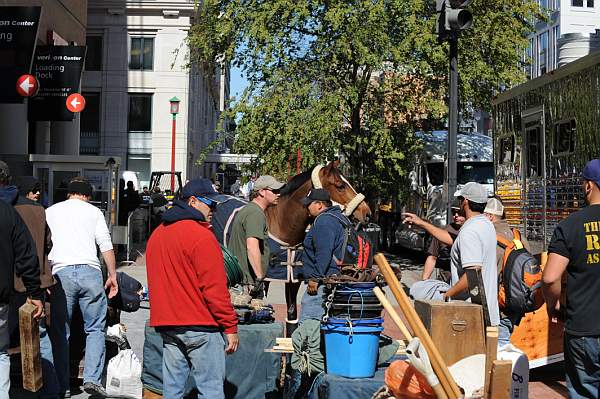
x=456 y=328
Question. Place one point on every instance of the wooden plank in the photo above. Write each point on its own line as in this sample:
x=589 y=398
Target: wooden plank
x=437 y=362
x=477 y=291
x=31 y=362
x=501 y=379
x=491 y=351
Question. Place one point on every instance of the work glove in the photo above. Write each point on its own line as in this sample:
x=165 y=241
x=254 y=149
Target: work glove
x=312 y=287
x=258 y=290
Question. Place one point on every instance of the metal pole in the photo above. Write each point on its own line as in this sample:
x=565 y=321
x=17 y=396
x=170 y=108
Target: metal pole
x=452 y=122
x=173 y=155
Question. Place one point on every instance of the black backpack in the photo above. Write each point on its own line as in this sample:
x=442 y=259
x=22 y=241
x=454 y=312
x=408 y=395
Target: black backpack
x=357 y=246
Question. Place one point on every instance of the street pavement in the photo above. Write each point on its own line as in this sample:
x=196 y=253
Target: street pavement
x=547 y=382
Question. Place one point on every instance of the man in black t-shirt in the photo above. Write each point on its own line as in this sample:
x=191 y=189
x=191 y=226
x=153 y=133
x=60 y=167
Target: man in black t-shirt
x=575 y=249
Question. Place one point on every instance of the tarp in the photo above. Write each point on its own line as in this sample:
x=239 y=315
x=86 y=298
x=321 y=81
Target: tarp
x=250 y=371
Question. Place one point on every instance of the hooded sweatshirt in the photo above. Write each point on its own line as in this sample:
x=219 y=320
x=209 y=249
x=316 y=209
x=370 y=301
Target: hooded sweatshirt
x=187 y=283
x=323 y=244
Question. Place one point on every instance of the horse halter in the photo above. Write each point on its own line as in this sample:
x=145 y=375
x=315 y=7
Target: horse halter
x=351 y=206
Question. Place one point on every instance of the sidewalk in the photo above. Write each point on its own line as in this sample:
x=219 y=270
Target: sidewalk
x=546 y=382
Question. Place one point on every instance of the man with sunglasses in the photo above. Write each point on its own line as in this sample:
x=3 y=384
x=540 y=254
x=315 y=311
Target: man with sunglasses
x=475 y=245
x=189 y=301
x=249 y=240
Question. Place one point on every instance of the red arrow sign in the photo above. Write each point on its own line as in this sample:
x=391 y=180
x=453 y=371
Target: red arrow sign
x=75 y=102
x=27 y=85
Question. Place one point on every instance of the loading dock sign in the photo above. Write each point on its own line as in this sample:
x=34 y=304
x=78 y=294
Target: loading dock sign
x=18 y=32
x=58 y=69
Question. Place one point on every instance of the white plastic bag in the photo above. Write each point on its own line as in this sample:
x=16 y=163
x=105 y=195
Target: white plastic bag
x=124 y=375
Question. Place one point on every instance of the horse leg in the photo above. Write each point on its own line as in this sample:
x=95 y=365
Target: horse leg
x=291 y=320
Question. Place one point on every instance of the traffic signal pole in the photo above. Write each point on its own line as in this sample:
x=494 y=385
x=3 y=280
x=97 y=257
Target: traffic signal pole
x=452 y=18
x=452 y=123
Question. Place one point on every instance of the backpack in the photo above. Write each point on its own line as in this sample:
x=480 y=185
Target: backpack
x=520 y=281
x=128 y=298
x=357 y=246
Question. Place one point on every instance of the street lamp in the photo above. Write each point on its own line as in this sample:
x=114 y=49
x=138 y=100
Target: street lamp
x=174 y=111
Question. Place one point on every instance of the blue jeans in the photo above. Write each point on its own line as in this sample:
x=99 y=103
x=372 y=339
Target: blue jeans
x=79 y=285
x=311 y=306
x=582 y=365
x=200 y=353
x=505 y=329
x=50 y=389
x=4 y=358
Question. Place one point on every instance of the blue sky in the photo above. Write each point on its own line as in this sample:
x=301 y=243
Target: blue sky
x=238 y=83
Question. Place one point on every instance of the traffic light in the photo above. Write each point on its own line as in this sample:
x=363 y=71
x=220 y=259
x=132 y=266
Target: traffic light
x=452 y=17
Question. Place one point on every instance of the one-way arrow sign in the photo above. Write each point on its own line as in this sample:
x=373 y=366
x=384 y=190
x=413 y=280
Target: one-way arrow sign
x=75 y=102
x=27 y=85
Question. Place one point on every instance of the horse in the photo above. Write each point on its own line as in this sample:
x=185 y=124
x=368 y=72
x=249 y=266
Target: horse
x=287 y=222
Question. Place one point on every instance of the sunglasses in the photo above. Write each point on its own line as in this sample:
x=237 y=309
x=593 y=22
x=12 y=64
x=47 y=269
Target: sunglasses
x=272 y=190
x=208 y=202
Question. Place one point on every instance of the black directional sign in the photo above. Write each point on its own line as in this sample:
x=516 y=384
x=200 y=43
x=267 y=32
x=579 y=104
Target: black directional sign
x=58 y=69
x=18 y=32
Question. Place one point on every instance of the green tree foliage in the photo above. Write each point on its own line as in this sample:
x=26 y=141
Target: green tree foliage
x=353 y=78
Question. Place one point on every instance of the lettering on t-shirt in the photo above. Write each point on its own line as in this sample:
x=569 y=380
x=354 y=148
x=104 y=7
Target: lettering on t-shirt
x=592 y=242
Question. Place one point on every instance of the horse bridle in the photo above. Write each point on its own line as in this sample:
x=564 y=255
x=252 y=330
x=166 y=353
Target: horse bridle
x=351 y=206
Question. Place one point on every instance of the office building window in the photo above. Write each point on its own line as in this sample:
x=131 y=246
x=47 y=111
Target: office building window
x=141 y=53
x=93 y=56
x=577 y=3
x=89 y=143
x=543 y=53
x=590 y=3
x=140 y=113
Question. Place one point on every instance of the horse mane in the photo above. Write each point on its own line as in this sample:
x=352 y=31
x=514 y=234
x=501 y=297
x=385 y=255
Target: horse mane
x=296 y=181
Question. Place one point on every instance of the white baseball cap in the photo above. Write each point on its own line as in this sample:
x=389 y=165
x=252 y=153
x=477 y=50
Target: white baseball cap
x=494 y=207
x=473 y=192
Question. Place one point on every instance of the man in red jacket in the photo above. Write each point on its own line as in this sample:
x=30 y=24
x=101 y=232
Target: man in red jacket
x=189 y=300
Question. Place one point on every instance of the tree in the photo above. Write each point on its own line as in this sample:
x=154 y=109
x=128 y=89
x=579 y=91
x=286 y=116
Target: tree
x=353 y=78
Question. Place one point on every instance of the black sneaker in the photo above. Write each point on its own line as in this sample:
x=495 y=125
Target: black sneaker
x=95 y=390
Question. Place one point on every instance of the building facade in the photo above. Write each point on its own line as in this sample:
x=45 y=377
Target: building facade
x=137 y=61
x=565 y=16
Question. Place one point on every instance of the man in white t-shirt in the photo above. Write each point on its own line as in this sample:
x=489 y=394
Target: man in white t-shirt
x=475 y=245
x=77 y=229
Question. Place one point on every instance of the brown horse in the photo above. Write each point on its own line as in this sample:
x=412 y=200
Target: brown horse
x=289 y=219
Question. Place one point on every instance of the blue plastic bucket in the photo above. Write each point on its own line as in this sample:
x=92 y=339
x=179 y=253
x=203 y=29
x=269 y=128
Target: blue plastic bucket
x=351 y=351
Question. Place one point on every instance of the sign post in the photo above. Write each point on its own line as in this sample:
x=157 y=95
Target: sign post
x=58 y=69
x=174 y=102
x=18 y=32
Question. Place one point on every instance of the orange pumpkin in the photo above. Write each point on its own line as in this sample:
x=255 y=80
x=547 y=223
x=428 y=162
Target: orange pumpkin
x=405 y=381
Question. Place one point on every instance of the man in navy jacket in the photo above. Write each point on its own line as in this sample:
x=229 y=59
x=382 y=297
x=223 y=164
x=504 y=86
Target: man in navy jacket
x=322 y=249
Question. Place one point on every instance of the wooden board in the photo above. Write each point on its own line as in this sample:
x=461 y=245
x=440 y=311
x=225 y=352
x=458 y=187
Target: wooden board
x=501 y=379
x=456 y=328
x=31 y=362
x=539 y=338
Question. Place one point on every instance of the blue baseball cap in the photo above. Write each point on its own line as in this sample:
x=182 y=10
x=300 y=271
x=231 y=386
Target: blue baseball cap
x=198 y=188
x=591 y=171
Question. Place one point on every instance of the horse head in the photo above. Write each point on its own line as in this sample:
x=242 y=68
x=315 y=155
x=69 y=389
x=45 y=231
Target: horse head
x=341 y=191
